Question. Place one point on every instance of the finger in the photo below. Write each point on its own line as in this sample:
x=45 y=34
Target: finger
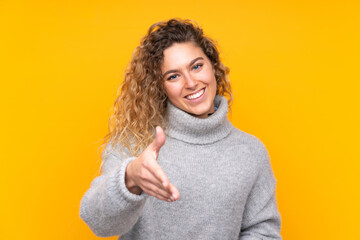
x=169 y=188
x=158 y=196
x=155 y=169
x=153 y=188
x=174 y=192
x=148 y=178
x=159 y=140
x=160 y=175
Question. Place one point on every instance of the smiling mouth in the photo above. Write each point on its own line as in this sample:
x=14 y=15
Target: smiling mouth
x=195 y=95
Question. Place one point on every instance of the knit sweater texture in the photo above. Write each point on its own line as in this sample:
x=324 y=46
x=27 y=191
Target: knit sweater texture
x=224 y=177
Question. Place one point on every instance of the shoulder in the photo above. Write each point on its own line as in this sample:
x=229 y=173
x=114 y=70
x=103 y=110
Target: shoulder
x=115 y=149
x=257 y=153
x=112 y=155
x=250 y=145
x=243 y=138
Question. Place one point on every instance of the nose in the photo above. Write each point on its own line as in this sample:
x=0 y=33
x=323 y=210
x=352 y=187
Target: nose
x=190 y=82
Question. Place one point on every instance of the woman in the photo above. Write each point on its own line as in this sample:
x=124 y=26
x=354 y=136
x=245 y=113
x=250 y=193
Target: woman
x=203 y=179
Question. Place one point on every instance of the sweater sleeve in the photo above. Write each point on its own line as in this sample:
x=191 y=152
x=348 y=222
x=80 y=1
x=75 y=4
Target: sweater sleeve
x=108 y=207
x=261 y=218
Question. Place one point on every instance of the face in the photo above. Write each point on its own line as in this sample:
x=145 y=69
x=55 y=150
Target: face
x=189 y=79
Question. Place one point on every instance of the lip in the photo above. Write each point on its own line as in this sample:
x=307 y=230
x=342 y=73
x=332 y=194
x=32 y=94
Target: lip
x=198 y=98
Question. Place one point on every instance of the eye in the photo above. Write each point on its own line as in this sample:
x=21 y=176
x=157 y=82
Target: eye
x=197 y=66
x=172 y=77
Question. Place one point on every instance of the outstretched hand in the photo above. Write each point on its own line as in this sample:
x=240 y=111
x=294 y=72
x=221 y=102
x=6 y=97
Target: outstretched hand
x=145 y=173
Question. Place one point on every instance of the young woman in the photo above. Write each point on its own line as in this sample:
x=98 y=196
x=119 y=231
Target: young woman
x=174 y=167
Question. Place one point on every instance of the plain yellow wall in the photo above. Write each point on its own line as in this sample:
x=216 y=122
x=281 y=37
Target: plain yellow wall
x=295 y=75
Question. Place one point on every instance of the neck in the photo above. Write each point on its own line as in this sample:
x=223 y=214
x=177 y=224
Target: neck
x=183 y=126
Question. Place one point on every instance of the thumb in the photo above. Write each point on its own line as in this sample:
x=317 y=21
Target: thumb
x=159 y=140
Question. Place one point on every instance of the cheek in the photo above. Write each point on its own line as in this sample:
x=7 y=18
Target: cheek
x=172 y=90
x=214 y=85
x=211 y=79
x=209 y=76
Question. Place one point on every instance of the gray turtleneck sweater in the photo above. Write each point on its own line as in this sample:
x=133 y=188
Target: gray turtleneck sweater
x=224 y=176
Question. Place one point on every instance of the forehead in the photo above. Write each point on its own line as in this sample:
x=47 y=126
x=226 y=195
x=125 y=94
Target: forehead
x=179 y=55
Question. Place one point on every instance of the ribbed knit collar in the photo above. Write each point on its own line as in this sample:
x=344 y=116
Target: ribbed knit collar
x=185 y=127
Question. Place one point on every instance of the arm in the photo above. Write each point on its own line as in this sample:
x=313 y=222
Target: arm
x=261 y=218
x=108 y=207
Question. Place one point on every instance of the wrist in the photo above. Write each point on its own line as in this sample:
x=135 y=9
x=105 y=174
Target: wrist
x=130 y=184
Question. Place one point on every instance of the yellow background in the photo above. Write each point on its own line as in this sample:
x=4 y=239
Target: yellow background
x=295 y=75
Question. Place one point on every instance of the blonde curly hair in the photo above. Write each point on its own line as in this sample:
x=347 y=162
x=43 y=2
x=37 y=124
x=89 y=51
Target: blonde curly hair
x=141 y=101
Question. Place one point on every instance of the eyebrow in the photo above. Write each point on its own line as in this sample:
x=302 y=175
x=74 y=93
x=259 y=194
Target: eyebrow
x=191 y=63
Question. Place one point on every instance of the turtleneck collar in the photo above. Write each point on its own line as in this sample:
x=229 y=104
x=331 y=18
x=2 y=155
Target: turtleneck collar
x=187 y=128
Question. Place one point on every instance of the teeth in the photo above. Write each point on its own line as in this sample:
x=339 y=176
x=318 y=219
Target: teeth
x=196 y=95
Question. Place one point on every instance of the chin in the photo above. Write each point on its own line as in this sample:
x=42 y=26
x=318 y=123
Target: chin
x=200 y=112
